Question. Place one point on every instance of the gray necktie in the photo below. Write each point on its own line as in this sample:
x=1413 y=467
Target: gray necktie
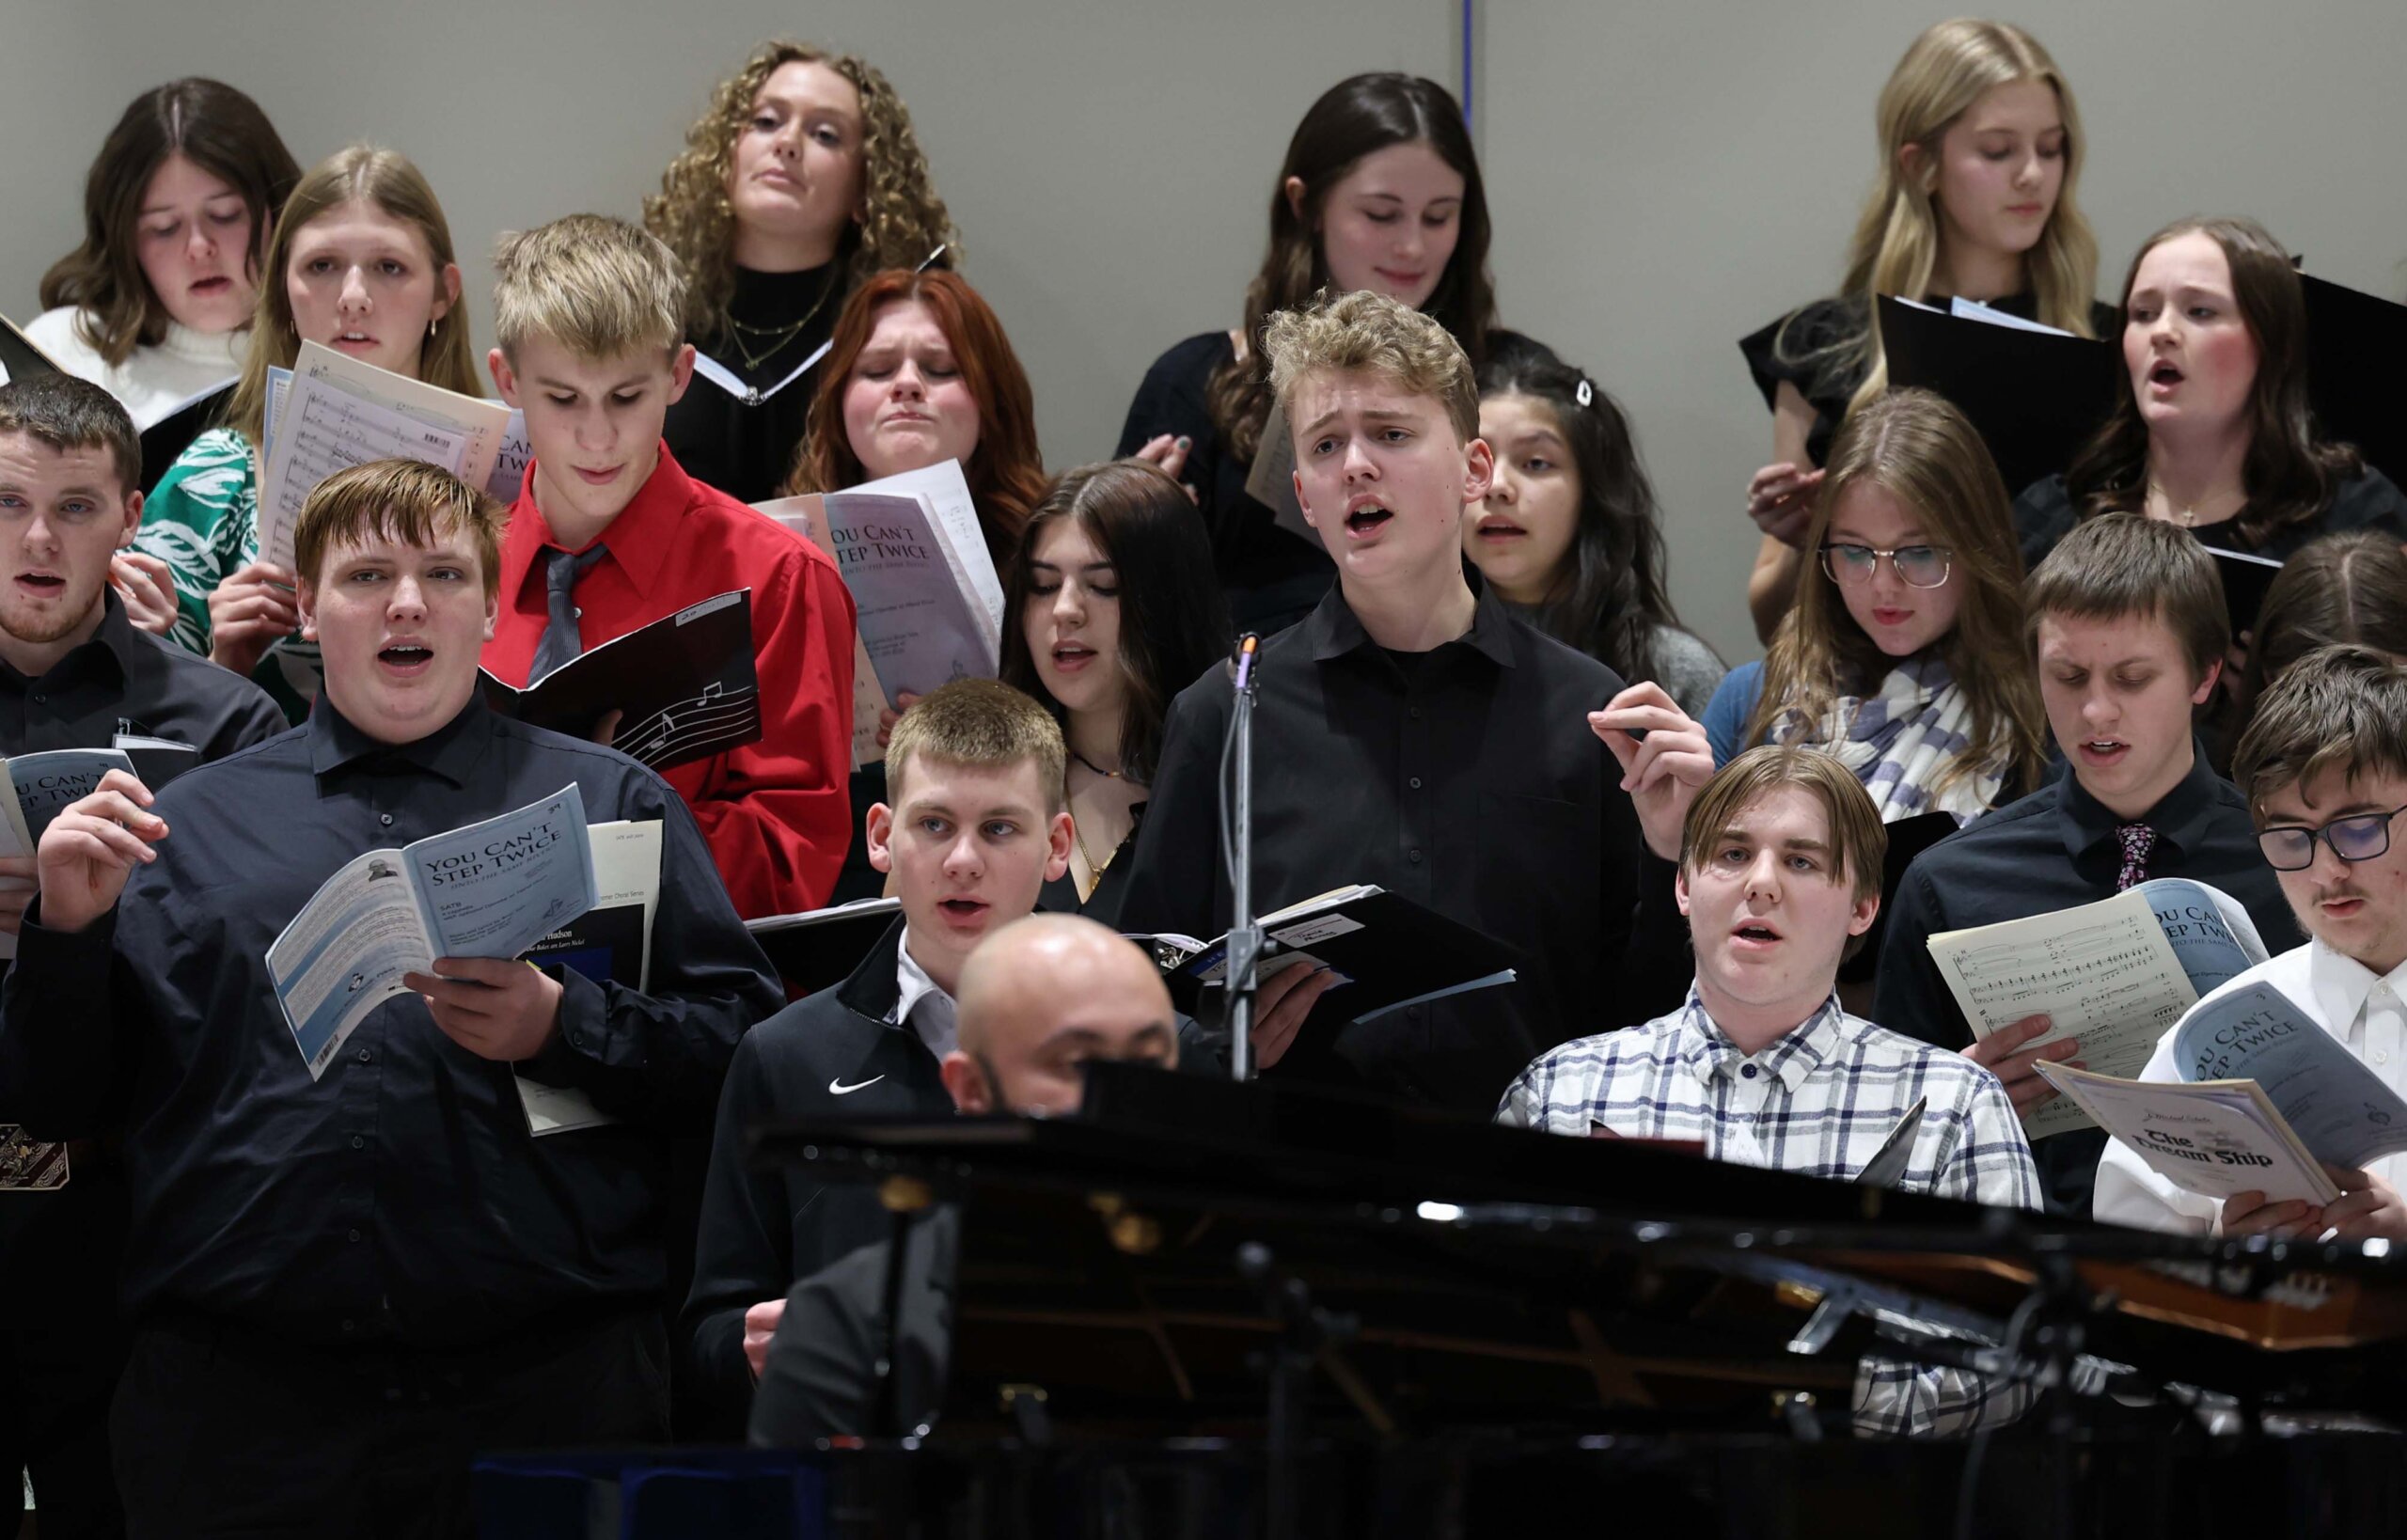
x=560 y=642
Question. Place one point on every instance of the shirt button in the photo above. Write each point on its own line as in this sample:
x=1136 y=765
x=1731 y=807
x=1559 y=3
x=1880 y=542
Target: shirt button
x=2382 y=1059
x=1414 y=856
x=579 y=612
x=366 y=1056
x=351 y=1325
x=386 y=818
x=357 y=1142
x=1416 y=783
x=1747 y=1070
x=353 y=1237
x=1415 y=713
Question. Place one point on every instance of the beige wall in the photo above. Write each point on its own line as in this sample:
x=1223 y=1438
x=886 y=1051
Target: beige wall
x=1664 y=175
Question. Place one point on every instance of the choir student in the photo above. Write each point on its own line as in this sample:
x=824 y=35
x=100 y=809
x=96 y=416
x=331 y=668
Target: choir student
x=2211 y=427
x=1902 y=654
x=1569 y=535
x=1110 y=609
x=922 y=373
x=155 y=306
x=1780 y=867
x=1981 y=149
x=1380 y=191
x=359 y=261
x=343 y=1286
x=1413 y=734
x=2127 y=627
x=2324 y=769
x=74 y=673
x=609 y=534
x=801 y=179
x=977 y=826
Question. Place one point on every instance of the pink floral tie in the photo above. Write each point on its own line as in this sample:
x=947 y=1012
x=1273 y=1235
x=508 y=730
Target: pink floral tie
x=2138 y=839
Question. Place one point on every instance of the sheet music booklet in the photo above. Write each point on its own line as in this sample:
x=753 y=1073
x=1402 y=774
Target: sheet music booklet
x=686 y=686
x=2116 y=974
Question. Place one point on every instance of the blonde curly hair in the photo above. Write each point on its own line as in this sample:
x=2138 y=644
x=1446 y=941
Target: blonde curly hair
x=906 y=221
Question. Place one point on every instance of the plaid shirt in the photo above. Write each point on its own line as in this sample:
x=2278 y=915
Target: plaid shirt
x=1819 y=1101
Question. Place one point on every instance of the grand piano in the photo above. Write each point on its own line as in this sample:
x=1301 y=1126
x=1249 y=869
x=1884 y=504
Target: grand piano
x=1204 y=1308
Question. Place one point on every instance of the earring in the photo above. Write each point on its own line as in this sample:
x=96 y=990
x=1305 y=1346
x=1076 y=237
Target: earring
x=429 y=328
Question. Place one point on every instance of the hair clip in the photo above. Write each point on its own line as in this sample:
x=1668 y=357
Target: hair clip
x=1586 y=393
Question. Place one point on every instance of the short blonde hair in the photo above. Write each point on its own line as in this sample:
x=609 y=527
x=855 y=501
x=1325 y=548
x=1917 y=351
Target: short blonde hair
x=1364 y=333
x=983 y=724
x=405 y=500
x=1859 y=840
x=598 y=286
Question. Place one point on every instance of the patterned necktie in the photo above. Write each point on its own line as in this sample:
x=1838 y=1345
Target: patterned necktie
x=560 y=642
x=2137 y=841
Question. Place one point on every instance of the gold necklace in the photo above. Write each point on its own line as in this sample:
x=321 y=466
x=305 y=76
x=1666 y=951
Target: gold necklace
x=2189 y=517
x=779 y=335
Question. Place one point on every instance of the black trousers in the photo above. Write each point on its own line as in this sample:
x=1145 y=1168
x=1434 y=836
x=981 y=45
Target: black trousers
x=61 y=1341
x=221 y=1434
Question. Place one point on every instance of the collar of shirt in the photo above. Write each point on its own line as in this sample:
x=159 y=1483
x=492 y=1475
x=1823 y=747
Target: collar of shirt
x=2342 y=985
x=450 y=750
x=922 y=1003
x=113 y=645
x=1331 y=630
x=639 y=539
x=1708 y=1053
x=2179 y=817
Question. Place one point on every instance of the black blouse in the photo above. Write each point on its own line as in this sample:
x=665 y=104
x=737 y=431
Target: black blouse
x=1272 y=578
x=1814 y=358
x=2044 y=514
x=746 y=450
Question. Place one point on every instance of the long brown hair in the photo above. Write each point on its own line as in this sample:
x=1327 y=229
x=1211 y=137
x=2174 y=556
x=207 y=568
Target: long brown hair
x=1353 y=118
x=1173 y=624
x=2349 y=588
x=2289 y=474
x=216 y=128
x=1895 y=247
x=1006 y=472
x=1919 y=448
x=904 y=220
x=387 y=179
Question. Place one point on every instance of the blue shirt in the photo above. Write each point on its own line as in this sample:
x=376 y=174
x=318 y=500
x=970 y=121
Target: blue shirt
x=1725 y=714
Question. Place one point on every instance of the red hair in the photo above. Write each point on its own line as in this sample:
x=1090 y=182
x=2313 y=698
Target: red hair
x=1006 y=474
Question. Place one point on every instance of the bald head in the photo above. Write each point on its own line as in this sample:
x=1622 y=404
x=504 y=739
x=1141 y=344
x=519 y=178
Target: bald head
x=1042 y=997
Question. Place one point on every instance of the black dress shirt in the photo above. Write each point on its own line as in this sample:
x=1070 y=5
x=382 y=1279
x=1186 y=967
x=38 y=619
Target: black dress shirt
x=2044 y=514
x=125 y=679
x=400 y=1197
x=1465 y=779
x=2056 y=849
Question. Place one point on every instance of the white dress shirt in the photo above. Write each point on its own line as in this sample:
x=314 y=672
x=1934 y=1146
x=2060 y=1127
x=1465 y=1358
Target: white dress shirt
x=923 y=1005
x=2360 y=1007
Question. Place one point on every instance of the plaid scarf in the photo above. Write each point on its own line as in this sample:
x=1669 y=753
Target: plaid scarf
x=1901 y=739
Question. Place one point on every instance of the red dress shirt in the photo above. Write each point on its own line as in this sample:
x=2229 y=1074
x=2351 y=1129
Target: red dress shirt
x=778 y=813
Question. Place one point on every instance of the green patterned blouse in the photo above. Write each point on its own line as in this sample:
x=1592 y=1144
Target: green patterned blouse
x=202 y=519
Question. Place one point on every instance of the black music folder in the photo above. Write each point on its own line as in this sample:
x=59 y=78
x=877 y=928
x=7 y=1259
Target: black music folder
x=22 y=355
x=2035 y=397
x=2353 y=344
x=2245 y=578
x=819 y=947
x=1908 y=838
x=1388 y=950
x=685 y=686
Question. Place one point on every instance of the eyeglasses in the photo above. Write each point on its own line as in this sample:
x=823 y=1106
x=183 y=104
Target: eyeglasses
x=1917 y=566
x=2359 y=836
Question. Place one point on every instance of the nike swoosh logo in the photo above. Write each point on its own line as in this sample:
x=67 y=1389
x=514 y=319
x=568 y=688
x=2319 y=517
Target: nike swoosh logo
x=837 y=1088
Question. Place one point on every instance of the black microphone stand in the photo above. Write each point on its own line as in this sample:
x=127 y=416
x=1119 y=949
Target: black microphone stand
x=1244 y=929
